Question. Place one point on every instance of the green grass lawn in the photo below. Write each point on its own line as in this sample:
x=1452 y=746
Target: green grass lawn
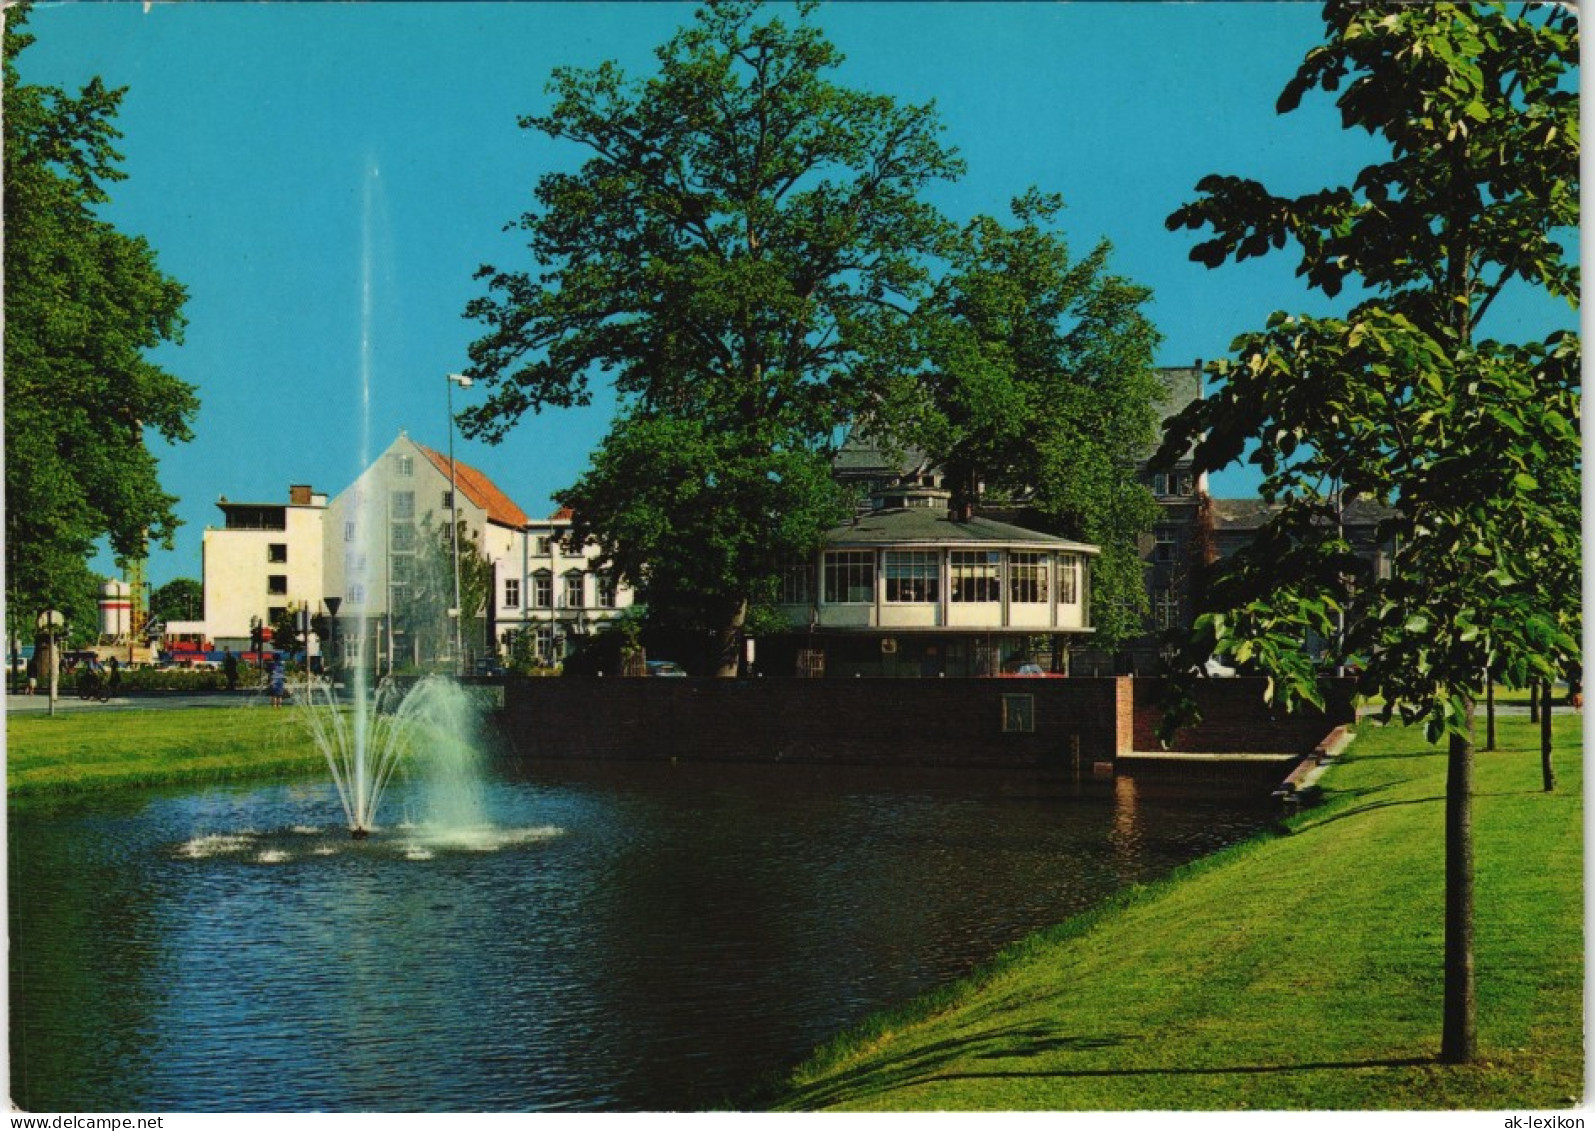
x=98 y=749
x=1297 y=971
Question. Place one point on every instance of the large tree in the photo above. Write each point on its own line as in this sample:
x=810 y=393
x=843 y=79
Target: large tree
x=739 y=254
x=1403 y=400
x=83 y=304
x=182 y=598
x=1042 y=387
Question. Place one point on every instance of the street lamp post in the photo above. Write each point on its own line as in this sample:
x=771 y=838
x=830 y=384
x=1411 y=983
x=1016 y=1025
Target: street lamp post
x=463 y=382
x=333 y=604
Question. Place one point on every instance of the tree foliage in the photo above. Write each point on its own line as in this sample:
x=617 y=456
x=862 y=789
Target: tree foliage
x=83 y=303
x=182 y=598
x=1402 y=401
x=1042 y=387
x=1474 y=441
x=739 y=253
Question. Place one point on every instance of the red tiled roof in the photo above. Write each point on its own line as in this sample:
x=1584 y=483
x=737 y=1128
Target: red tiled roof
x=479 y=489
x=563 y=514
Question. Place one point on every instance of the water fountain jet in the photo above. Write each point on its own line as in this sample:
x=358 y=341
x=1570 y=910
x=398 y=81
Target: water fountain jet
x=425 y=724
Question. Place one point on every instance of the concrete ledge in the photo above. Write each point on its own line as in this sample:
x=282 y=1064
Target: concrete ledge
x=1187 y=756
x=1304 y=778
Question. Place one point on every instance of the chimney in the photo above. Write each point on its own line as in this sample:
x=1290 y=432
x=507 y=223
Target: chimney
x=299 y=495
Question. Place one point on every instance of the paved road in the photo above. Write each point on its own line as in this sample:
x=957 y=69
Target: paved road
x=40 y=704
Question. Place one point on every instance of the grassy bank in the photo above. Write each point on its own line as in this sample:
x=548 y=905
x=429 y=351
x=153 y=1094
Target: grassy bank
x=99 y=749
x=1298 y=971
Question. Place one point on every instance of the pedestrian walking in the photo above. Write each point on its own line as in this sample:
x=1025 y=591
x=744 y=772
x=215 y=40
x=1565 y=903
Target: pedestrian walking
x=230 y=669
x=278 y=678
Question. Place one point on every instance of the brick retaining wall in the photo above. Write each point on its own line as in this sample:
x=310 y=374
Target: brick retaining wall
x=1236 y=720
x=924 y=722
x=932 y=722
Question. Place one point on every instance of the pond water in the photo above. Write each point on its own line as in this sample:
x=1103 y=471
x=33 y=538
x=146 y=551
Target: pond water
x=631 y=937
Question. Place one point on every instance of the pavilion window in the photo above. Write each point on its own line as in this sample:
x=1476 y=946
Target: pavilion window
x=850 y=577
x=1027 y=577
x=1069 y=579
x=913 y=577
x=976 y=575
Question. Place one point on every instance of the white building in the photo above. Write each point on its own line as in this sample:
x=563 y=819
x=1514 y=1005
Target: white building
x=263 y=560
x=380 y=527
x=362 y=554
x=554 y=589
x=377 y=527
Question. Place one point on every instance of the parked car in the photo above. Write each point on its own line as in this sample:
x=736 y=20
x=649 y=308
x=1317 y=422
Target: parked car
x=666 y=668
x=1027 y=669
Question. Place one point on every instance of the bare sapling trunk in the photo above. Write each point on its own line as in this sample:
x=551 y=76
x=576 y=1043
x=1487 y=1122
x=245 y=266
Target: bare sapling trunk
x=1459 y=1037
x=1489 y=712
x=1547 y=772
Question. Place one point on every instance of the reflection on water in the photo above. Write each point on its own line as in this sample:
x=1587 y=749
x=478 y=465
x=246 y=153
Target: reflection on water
x=620 y=937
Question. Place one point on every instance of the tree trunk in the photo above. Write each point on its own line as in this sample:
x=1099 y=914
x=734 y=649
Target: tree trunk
x=1534 y=707
x=1546 y=770
x=1489 y=712
x=1459 y=1039
x=727 y=658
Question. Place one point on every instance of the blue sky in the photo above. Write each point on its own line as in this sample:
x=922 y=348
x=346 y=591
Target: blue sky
x=325 y=179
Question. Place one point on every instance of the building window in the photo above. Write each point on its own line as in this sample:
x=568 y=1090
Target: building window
x=606 y=591
x=1166 y=545
x=448 y=500
x=275 y=613
x=1166 y=609
x=402 y=538
x=575 y=590
x=401 y=505
x=850 y=577
x=543 y=590
x=975 y=575
x=401 y=571
x=512 y=593
x=1018 y=714
x=1160 y=484
x=357 y=596
x=348 y=532
x=1187 y=483
x=277 y=583
x=1069 y=579
x=1027 y=577
x=405 y=465
x=797 y=583
x=913 y=577
x=277 y=552
x=542 y=546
